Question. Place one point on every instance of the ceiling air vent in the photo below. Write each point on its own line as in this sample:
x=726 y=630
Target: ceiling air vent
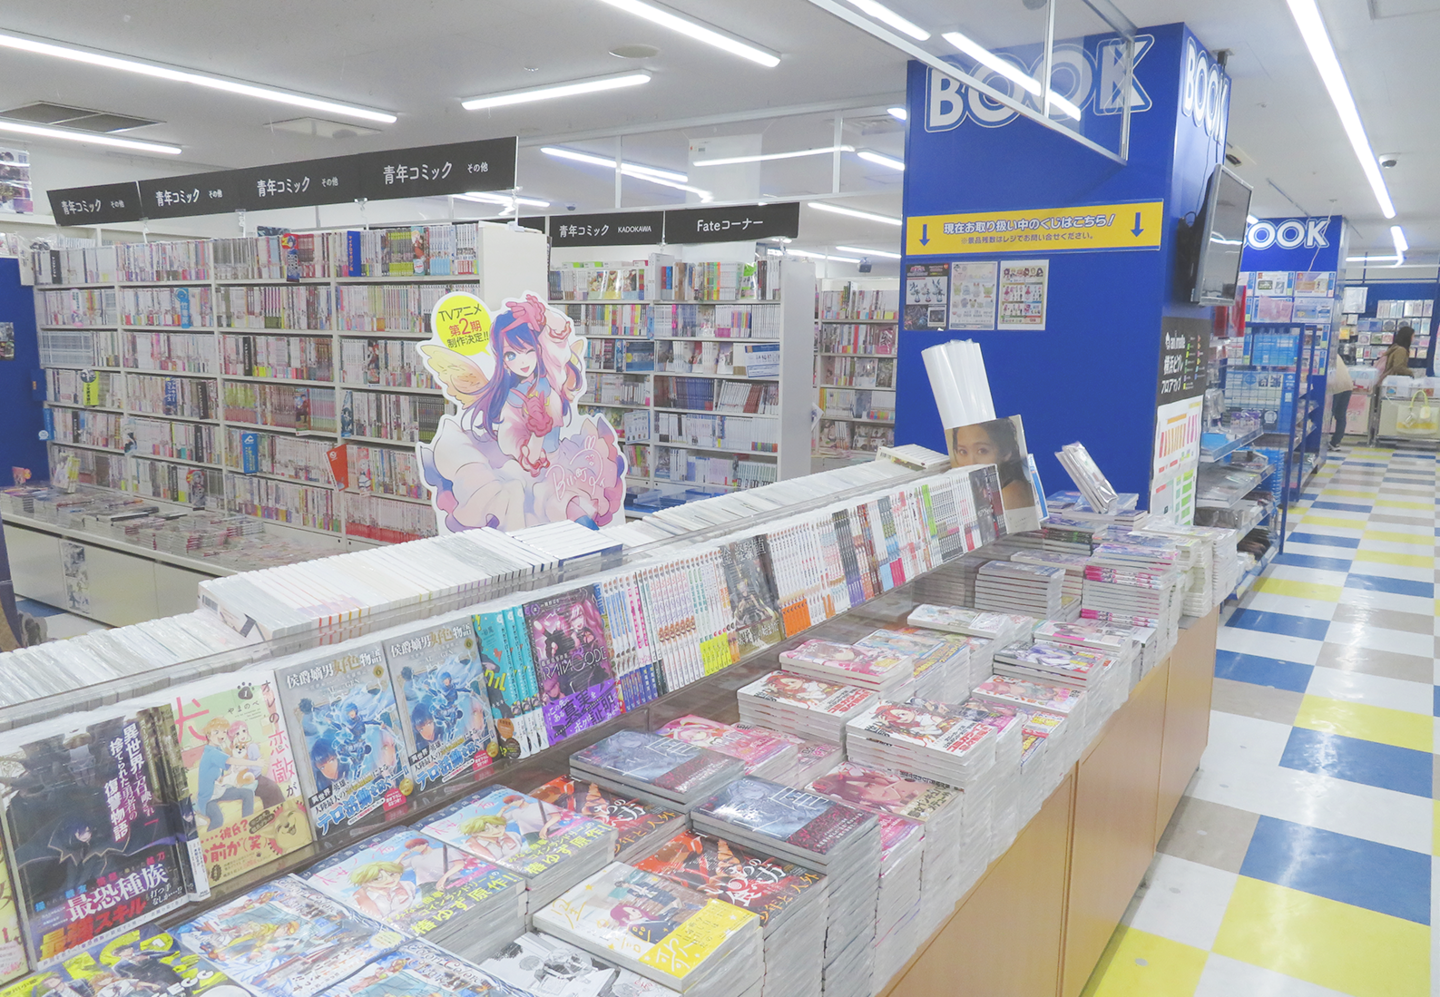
x=321 y=128
x=86 y=119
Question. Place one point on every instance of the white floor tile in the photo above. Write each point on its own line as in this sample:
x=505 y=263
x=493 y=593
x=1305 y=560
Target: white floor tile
x=1226 y=977
x=1416 y=530
x=1267 y=645
x=1245 y=740
x=1386 y=600
x=1318 y=550
x=1423 y=545
x=1404 y=572
x=1361 y=811
x=1380 y=639
x=1185 y=901
x=1354 y=532
x=1267 y=602
x=1295 y=574
x=1373 y=690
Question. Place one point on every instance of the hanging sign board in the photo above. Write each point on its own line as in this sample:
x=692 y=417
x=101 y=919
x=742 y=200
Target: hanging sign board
x=619 y=228
x=745 y=223
x=1136 y=225
x=97 y=205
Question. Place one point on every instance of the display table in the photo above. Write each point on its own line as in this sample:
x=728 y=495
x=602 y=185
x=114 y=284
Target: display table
x=1038 y=921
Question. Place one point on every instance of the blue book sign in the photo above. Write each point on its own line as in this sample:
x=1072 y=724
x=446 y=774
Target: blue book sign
x=250 y=453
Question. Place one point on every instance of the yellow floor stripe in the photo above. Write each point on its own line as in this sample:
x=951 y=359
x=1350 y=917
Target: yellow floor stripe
x=1385 y=557
x=1397 y=504
x=1390 y=536
x=1346 y=524
x=1300 y=590
x=1369 y=723
x=1139 y=964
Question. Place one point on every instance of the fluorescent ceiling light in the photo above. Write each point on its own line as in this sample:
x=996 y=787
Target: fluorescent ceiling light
x=985 y=57
x=105 y=61
x=852 y=213
x=1372 y=259
x=886 y=254
x=1317 y=39
x=634 y=169
x=897 y=112
x=883 y=13
x=665 y=178
x=656 y=14
x=881 y=160
x=485 y=197
x=821 y=256
x=594 y=84
x=40 y=131
x=1251 y=219
x=1401 y=245
x=1069 y=108
x=769 y=156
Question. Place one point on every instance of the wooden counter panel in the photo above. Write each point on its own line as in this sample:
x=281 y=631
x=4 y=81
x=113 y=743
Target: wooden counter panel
x=1187 y=714
x=1005 y=938
x=1116 y=800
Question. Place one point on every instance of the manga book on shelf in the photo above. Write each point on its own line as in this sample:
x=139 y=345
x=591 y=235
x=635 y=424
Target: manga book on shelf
x=546 y=966
x=409 y=881
x=416 y=969
x=794 y=816
x=717 y=868
x=284 y=939
x=572 y=662
x=884 y=791
x=748 y=576
x=344 y=706
x=439 y=680
x=637 y=758
x=645 y=920
x=240 y=773
x=751 y=747
x=631 y=819
x=93 y=829
x=142 y=961
x=517 y=832
x=514 y=710
x=790 y=689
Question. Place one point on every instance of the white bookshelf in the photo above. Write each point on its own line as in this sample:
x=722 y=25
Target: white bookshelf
x=857 y=325
x=662 y=443
x=294 y=491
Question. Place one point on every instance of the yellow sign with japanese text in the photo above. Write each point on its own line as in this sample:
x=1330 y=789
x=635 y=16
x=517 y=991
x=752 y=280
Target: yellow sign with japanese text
x=1092 y=226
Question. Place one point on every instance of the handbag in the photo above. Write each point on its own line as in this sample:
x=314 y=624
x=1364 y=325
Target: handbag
x=1420 y=418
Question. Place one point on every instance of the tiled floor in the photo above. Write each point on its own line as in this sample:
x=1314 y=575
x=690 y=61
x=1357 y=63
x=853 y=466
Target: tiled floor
x=1300 y=862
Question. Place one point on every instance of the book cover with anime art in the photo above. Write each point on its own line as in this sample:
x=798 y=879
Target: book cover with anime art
x=410 y=881
x=763 y=885
x=240 y=773
x=344 y=708
x=572 y=662
x=94 y=834
x=420 y=970
x=750 y=747
x=439 y=678
x=631 y=819
x=284 y=939
x=912 y=724
x=143 y=961
x=545 y=966
x=749 y=579
x=790 y=689
x=794 y=816
x=645 y=919
x=884 y=791
x=517 y=832
x=637 y=758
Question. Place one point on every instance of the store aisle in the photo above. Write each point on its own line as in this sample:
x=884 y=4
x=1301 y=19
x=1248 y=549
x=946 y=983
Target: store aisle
x=1300 y=862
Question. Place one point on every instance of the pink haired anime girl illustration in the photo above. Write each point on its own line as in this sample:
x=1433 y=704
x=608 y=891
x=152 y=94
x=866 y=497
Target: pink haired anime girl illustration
x=517 y=455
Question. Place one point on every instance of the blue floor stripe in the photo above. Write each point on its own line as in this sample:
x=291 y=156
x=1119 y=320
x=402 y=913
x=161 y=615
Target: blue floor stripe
x=1259 y=670
x=1324 y=540
x=1344 y=506
x=1348 y=870
x=1280 y=623
x=1394 y=586
x=1310 y=561
x=1355 y=760
x=38 y=609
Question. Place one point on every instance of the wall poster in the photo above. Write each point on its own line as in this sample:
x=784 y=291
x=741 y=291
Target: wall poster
x=518 y=453
x=972 y=296
x=1024 y=289
x=926 y=291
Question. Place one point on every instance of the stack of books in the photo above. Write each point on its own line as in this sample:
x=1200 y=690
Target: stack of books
x=417 y=884
x=1010 y=586
x=811 y=758
x=879 y=670
x=1073 y=564
x=1196 y=562
x=940 y=808
x=942 y=666
x=1125 y=644
x=788 y=899
x=971 y=622
x=897 y=901
x=418 y=968
x=537 y=963
x=912 y=738
x=639 y=827
x=1063 y=535
x=1049 y=754
x=1133 y=582
x=832 y=838
x=799 y=705
x=655 y=768
x=1027 y=695
x=662 y=931
x=550 y=847
x=996 y=793
x=764 y=756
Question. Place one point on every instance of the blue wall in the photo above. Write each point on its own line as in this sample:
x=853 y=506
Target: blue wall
x=1092 y=374
x=1409 y=290
x=20 y=414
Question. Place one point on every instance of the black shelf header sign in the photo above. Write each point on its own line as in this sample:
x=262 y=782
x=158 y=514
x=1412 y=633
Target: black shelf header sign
x=106 y=202
x=617 y=228
x=744 y=223
x=429 y=171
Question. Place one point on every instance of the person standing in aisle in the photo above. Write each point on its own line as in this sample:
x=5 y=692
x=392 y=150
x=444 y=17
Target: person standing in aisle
x=1396 y=361
x=1340 y=387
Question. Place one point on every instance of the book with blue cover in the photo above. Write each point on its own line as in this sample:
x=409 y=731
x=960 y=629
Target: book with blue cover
x=805 y=821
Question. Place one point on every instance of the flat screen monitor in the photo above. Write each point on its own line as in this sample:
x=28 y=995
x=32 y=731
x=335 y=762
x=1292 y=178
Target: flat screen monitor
x=1221 y=231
